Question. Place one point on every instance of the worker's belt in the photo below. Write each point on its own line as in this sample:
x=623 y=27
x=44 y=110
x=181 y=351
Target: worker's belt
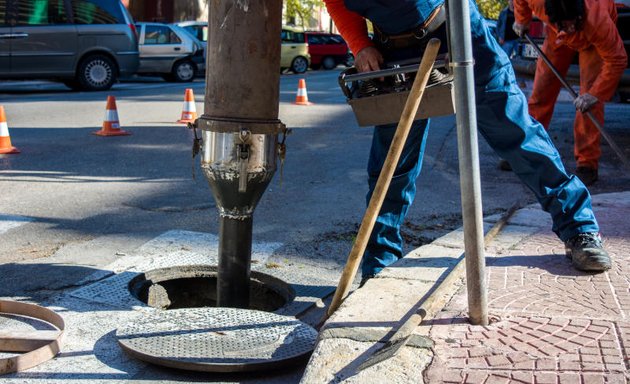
x=415 y=37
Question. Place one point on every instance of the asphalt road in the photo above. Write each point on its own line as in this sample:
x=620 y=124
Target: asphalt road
x=74 y=187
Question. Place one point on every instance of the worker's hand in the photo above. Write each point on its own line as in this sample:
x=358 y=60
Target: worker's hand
x=368 y=59
x=520 y=29
x=584 y=102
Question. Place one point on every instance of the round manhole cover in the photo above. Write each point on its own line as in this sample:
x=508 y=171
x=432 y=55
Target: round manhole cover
x=218 y=339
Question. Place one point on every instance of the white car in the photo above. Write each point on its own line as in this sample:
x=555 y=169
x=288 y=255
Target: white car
x=169 y=51
x=199 y=29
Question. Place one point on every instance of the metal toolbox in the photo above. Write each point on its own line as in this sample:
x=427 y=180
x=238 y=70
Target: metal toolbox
x=379 y=97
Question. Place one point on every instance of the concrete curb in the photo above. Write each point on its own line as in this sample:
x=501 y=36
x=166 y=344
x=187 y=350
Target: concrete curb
x=370 y=315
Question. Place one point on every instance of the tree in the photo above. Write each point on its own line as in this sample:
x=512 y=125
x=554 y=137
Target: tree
x=491 y=8
x=302 y=10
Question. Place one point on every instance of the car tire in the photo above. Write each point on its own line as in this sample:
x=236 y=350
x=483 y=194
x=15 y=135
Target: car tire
x=329 y=62
x=96 y=73
x=183 y=71
x=299 y=65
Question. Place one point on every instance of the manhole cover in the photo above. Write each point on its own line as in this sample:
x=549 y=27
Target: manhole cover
x=217 y=339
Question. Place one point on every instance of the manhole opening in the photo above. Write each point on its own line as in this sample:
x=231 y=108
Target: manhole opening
x=195 y=286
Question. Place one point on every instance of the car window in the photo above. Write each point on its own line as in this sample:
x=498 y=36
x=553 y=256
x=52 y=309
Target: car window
x=160 y=34
x=97 y=12
x=292 y=37
x=336 y=39
x=315 y=39
x=199 y=31
x=41 y=12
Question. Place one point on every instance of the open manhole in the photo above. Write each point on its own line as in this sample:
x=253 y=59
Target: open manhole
x=194 y=286
x=194 y=334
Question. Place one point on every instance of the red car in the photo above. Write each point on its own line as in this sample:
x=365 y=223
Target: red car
x=328 y=50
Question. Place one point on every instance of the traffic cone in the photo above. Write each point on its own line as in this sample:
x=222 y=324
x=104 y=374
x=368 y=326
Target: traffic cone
x=5 y=139
x=111 y=125
x=189 y=112
x=302 y=97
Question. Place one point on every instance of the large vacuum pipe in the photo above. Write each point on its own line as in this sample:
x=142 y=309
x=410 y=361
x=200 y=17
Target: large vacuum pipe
x=240 y=128
x=460 y=47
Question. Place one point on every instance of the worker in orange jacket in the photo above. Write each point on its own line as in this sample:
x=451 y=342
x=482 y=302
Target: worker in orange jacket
x=588 y=28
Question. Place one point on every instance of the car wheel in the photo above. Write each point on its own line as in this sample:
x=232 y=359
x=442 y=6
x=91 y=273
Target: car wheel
x=97 y=73
x=184 y=71
x=329 y=63
x=299 y=65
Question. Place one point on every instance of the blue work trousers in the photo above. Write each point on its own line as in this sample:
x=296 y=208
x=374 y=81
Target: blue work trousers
x=503 y=120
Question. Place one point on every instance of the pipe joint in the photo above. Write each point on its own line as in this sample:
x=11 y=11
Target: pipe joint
x=237 y=125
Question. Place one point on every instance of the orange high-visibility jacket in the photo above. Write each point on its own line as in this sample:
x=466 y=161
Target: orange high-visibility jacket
x=598 y=30
x=351 y=25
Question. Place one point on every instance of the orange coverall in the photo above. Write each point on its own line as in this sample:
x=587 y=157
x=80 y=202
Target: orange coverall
x=602 y=62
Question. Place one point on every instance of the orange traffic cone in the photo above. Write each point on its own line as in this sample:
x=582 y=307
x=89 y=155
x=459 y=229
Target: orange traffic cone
x=5 y=139
x=302 y=97
x=111 y=126
x=189 y=112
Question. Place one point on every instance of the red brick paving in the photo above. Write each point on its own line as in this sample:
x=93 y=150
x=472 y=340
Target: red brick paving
x=553 y=324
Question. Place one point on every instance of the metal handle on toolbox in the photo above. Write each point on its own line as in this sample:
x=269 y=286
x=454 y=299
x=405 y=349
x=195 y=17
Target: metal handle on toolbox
x=349 y=75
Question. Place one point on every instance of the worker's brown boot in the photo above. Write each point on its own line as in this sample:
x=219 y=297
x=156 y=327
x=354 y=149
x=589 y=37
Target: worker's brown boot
x=588 y=175
x=587 y=252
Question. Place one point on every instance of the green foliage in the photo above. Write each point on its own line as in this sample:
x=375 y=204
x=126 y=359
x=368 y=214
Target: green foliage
x=491 y=8
x=300 y=11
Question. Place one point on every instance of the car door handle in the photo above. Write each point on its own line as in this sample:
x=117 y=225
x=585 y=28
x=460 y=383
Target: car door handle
x=177 y=48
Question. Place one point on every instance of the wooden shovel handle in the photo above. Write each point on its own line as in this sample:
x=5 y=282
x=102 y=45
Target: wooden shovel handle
x=385 y=177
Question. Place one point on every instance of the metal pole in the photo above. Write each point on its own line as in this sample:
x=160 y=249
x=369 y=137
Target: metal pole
x=235 y=248
x=460 y=47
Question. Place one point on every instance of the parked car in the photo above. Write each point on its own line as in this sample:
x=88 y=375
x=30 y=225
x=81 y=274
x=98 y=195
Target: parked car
x=86 y=44
x=169 y=51
x=328 y=50
x=199 y=29
x=294 y=51
x=524 y=61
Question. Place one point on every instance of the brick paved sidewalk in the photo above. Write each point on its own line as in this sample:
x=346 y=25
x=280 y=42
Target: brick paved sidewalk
x=549 y=322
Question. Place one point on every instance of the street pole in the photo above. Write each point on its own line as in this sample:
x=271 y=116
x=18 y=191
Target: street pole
x=462 y=62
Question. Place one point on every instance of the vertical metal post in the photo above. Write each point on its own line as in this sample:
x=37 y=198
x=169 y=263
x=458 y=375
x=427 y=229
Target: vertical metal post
x=462 y=62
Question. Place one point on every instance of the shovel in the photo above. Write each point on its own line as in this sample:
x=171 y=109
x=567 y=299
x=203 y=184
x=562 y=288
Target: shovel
x=385 y=177
x=574 y=94
x=400 y=338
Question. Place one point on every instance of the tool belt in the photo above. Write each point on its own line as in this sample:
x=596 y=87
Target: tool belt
x=417 y=36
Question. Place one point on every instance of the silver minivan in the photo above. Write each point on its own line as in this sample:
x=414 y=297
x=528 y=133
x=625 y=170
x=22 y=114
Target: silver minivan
x=86 y=44
x=169 y=51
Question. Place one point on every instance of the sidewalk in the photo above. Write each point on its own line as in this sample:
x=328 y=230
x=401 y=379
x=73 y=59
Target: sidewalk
x=549 y=322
